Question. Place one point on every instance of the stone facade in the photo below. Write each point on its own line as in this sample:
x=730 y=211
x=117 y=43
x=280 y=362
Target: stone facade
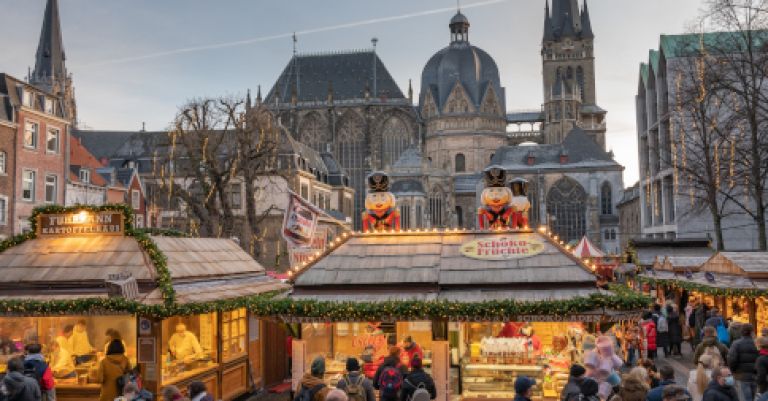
x=629 y=215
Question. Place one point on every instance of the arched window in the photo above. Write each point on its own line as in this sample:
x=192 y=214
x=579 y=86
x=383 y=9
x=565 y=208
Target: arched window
x=349 y=150
x=314 y=133
x=569 y=73
x=436 y=207
x=580 y=80
x=566 y=208
x=606 y=200
x=459 y=164
x=459 y=216
x=395 y=138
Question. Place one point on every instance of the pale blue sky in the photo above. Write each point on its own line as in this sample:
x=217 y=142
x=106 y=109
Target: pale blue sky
x=127 y=65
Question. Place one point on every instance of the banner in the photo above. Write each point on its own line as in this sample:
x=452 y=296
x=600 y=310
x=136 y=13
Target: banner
x=299 y=221
x=299 y=254
x=503 y=247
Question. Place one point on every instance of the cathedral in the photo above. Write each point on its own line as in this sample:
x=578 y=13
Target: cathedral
x=348 y=104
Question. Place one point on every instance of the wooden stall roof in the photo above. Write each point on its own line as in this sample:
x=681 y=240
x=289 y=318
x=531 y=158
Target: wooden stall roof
x=682 y=263
x=431 y=264
x=650 y=251
x=202 y=269
x=750 y=264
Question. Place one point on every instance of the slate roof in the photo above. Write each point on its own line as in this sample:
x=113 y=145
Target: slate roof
x=348 y=72
x=466 y=183
x=6 y=112
x=582 y=151
x=50 y=57
x=80 y=158
x=750 y=262
x=687 y=45
x=525 y=116
x=410 y=159
x=103 y=143
x=11 y=87
x=417 y=265
x=291 y=146
x=407 y=186
x=560 y=23
x=648 y=250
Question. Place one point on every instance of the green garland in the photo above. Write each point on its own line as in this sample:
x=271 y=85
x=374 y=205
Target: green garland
x=703 y=288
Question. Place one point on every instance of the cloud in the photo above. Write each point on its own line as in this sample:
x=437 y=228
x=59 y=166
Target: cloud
x=244 y=42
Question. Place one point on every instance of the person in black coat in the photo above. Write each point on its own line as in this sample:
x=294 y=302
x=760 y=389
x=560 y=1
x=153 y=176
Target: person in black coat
x=761 y=366
x=741 y=359
x=416 y=378
x=675 y=331
x=721 y=388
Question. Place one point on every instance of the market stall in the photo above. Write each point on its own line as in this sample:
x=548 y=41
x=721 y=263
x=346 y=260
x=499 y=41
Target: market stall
x=735 y=282
x=484 y=306
x=84 y=277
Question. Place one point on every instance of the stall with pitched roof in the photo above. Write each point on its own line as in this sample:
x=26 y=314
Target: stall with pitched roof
x=84 y=277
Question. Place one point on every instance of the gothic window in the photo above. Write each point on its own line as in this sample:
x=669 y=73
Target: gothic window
x=429 y=106
x=569 y=73
x=459 y=216
x=349 y=150
x=566 y=208
x=419 y=216
x=606 y=201
x=533 y=197
x=405 y=216
x=580 y=80
x=457 y=101
x=490 y=104
x=460 y=163
x=395 y=138
x=436 y=207
x=313 y=132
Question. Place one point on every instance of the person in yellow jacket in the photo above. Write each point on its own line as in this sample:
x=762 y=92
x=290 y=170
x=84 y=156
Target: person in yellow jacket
x=81 y=345
x=184 y=344
x=113 y=366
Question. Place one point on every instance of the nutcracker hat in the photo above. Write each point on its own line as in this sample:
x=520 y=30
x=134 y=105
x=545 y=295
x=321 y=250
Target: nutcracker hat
x=494 y=176
x=519 y=186
x=378 y=181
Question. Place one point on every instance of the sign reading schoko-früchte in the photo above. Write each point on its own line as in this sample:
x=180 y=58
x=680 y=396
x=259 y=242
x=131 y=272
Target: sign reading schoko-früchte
x=503 y=247
x=80 y=223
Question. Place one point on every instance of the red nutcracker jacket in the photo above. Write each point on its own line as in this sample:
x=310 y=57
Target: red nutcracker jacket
x=488 y=219
x=387 y=221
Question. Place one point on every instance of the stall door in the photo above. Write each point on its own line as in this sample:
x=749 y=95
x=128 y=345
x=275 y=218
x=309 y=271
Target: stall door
x=275 y=354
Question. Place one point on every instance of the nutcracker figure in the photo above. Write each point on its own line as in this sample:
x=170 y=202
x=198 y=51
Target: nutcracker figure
x=380 y=208
x=495 y=211
x=520 y=203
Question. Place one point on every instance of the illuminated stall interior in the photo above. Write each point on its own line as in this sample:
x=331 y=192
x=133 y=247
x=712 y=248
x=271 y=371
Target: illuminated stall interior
x=60 y=271
x=472 y=357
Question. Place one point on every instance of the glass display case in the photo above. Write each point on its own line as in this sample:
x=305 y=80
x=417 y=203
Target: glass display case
x=72 y=345
x=737 y=309
x=233 y=334
x=493 y=355
x=188 y=346
x=761 y=313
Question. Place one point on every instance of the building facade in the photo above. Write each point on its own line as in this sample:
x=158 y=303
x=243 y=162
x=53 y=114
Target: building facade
x=668 y=209
x=86 y=185
x=8 y=129
x=629 y=215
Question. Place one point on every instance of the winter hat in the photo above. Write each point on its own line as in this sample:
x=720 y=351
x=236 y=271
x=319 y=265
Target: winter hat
x=589 y=387
x=416 y=362
x=577 y=370
x=613 y=379
x=523 y=384
x=353 y=365
x=394 y=351
x=318 y=366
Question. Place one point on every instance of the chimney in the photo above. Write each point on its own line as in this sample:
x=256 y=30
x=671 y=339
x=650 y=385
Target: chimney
x=531 y=158
x=104 y=161
x=563 y=156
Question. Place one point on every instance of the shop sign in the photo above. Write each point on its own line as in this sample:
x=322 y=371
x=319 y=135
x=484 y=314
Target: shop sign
x=300 y=221
x=299 y=254
x=146 y=351
x=503 y=247
x=80 y=223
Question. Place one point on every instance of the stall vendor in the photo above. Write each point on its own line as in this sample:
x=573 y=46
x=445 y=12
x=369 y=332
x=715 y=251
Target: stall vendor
x=81 y=345
x=184 y=344
x=63 y=339
x=62 y=363
x=412 y=349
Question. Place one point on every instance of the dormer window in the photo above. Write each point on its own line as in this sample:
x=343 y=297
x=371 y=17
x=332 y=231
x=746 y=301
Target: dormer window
x=85 y=176
x=49 y=105
x=27 y=98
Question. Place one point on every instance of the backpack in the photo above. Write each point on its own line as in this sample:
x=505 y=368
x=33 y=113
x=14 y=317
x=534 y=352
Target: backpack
x=663 y=325
x=31 y=370
x=722 y=333
x=308 y=394
x=420 y=394
x=714 y=353
x=390 y=382
x=355 y=390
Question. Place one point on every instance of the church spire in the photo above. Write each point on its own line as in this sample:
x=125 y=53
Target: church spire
x=549 y=34
x=50 y=72
x=586 y=24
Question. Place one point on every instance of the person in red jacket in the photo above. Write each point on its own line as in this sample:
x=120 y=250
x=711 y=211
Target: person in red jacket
x=34 y=363
x=649 y=332
x=412 y=349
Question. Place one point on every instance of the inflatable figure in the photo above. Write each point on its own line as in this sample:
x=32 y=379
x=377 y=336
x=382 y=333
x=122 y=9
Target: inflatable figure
x=495 y=212
x=520 y=203
x=380 y=207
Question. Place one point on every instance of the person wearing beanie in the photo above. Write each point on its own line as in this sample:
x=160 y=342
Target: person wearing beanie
x=589 y=388
x=313 y=382
x=572 y=389
x=416 y=378
x=355 y=384
x=523 y=388
x=392 y=360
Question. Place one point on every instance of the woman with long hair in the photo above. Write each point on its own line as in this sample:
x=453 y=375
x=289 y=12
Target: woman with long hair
x=699 y=378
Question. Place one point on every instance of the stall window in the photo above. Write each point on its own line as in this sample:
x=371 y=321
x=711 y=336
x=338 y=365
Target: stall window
x=189 y=346
x=233 y=331
x=73 y=345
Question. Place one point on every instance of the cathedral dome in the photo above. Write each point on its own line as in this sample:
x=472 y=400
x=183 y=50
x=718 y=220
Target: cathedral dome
x=460 y=62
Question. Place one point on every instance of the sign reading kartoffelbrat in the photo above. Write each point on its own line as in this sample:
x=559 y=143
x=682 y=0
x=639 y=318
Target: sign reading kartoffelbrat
x=80 y=223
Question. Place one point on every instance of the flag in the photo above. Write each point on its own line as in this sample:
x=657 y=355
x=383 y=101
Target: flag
x=299 y=221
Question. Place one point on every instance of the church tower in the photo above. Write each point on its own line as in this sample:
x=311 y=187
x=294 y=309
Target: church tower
x=50 y=73
x=568 y=63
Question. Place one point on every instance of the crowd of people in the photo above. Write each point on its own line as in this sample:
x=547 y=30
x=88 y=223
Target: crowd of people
x=29 y=377
x=393 y=380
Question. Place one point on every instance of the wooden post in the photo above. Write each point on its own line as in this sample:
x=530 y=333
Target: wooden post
x=149 y=352
x=299 y=356
x=441 y=368
x=752 y=305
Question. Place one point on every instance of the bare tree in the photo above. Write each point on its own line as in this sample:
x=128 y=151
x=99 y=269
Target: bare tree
x=737 y=51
